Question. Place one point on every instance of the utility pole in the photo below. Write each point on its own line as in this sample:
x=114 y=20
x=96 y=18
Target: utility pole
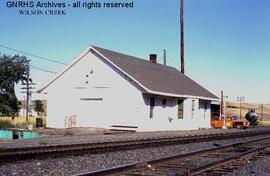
x=221 y=104
x=23 y=105
x=164 y=55
x=182 y=36
x=223 y=110
x=28 y=89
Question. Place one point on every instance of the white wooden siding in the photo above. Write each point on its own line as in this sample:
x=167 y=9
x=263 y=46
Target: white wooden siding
x=123 y=103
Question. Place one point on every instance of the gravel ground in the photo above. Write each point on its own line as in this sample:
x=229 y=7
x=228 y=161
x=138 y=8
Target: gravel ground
x=79 y=164
x=260 y=167
x=75 y=131
x=88 y=137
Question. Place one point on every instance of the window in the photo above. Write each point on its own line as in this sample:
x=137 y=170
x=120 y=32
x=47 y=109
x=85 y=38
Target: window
x=205 y=109
x=180 y=111
x=164 y=102
x=192 y=108
x=152 y=104
x=205 y=106
x=152 y=101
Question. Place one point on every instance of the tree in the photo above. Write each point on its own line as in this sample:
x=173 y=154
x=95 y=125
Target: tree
x=39 y=108
x=12 y=71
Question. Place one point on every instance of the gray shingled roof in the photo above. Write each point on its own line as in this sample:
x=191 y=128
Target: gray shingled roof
x=156 y=77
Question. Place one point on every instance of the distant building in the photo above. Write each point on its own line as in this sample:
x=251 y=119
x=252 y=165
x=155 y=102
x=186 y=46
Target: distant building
x=101 y=88
x=32 y=112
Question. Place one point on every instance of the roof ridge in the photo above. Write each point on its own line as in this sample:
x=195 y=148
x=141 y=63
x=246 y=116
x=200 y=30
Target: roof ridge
x=141 y=59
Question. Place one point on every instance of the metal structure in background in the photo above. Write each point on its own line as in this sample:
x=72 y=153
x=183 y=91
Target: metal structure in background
x=182 y=36
x=241 y=99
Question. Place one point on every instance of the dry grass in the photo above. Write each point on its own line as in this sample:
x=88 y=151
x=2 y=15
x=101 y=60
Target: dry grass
x=264 y=122
x=22 y=120
x=233 y=108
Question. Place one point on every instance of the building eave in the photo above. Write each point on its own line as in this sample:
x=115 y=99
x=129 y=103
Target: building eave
x=180 y=96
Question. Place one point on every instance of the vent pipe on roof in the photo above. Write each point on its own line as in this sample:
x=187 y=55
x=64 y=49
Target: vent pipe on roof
x=164 y=57
x=153 y=58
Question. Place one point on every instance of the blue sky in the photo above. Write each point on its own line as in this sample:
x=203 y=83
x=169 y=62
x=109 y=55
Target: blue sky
x=227 y=42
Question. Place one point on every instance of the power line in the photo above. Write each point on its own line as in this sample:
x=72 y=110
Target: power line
x=160 y=59
x=46 y=68
x=42 y=69
x=33 y=55
x=169 y=58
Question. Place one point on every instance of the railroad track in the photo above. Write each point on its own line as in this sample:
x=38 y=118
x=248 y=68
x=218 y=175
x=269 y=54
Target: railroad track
x=10 y=155
x=213 y=161
x=234 y=164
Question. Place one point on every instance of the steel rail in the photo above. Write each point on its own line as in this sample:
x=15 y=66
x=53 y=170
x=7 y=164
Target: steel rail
x=217 y=164
x=134 y=166
x=101 y=147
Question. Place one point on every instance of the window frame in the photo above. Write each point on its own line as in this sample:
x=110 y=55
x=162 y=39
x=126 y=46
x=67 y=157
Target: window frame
x=180 y=109
x=152 y=101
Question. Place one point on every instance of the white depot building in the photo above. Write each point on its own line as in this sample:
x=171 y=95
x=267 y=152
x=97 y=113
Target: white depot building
x=103 y=88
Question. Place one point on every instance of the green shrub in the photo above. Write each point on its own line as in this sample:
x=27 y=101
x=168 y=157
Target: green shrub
x=42 y=142
x=6 y=124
